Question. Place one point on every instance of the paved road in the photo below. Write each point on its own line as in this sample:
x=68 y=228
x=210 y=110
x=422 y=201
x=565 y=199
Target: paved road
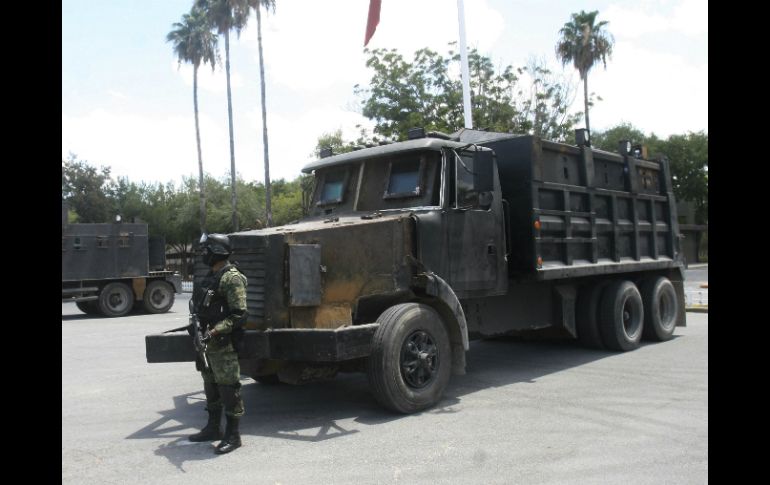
x=526 y=412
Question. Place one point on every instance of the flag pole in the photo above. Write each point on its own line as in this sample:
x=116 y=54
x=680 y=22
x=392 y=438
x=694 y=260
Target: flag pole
x=465 y=71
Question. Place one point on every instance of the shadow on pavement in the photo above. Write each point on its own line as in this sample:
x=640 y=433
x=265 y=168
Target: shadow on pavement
x=312 y=412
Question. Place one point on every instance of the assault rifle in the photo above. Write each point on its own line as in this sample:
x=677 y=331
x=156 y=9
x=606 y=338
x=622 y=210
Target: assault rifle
x=194 y=327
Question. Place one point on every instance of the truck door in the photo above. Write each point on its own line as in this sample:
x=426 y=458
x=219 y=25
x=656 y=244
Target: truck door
x=474 y=225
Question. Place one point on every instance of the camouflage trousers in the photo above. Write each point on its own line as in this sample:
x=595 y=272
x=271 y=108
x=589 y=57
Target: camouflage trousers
x=221 y=383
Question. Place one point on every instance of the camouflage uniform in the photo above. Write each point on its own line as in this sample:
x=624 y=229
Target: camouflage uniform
x=222 y=356
x=219 y=301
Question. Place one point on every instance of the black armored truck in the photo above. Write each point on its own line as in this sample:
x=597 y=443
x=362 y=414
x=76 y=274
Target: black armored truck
x=414 y=248
x=107 y=268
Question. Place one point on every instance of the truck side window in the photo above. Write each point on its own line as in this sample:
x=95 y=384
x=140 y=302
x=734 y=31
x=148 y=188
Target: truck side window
x=404 y=179
x=467 y=197
x=333 y=190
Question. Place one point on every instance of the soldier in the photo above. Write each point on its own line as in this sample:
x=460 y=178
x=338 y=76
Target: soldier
x=222 y=315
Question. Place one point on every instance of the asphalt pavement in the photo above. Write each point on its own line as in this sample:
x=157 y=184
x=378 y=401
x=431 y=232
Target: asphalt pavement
x=525 y=412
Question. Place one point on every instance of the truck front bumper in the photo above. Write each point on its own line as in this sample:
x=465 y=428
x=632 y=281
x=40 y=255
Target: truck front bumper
x=292 y=344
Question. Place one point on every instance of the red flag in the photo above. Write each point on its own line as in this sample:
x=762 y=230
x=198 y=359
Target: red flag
x=373 y=20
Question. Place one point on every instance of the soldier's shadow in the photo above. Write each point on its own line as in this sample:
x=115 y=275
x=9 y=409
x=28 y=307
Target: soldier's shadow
x=326 y=410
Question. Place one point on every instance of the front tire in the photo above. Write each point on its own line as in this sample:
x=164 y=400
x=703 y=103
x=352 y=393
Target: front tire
x=409 y=366
x=88 y=307
x=116 y=300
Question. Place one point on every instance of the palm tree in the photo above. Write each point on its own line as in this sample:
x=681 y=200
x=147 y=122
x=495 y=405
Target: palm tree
x=194 y=42
x=224 y=16
x=583 y=42
x=269 y=5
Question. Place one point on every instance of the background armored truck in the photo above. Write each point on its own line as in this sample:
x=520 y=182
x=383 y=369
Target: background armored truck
x=414 y=248
x=107 y=268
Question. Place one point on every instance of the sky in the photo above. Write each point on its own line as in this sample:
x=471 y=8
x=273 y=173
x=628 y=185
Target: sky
x=128 y=104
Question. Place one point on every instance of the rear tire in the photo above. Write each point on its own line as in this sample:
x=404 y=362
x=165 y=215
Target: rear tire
x=116 y=300
x=621 y=316
x=587 y=322
x=661 y=308
x=158 y=297
x=409 y=366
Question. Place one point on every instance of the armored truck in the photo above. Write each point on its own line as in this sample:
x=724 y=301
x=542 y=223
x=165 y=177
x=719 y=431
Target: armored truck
x=108 y=268
x=414 y=248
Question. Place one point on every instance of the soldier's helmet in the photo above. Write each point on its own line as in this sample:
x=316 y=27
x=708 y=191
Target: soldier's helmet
x=216 y=244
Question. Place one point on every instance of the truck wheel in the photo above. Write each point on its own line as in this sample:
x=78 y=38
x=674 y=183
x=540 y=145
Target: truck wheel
x=409 y=366
x=158 y=297
x=621 y=316
x=588 y=316
x=116 y=300
x=88 y=307
x=660 y=309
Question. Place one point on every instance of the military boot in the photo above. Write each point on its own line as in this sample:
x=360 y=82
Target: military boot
x=212 y=429
x=232 y=439
x=231 y=401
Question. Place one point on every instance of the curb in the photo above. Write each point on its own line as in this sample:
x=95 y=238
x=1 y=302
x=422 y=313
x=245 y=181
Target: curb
x=697 y=309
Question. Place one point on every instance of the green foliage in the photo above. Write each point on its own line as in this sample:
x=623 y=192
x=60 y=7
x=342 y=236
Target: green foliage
x=583 y=42
x=424 y=93
x=335 y=142
x=193 y=40
x=610 y=139
x=689 y=159
x=87 y=190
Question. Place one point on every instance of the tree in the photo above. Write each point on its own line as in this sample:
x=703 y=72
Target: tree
x=86 y=190
x=583 y=42
x=424 y=93
x=224 y=16
x=194 y=42
x=269 y=5
x=610 y=139
x=689 y=159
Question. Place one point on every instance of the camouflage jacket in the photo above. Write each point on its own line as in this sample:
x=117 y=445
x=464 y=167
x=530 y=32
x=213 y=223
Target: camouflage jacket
x=232 y=288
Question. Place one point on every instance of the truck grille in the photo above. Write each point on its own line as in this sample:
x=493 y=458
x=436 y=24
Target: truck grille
x=252 y=264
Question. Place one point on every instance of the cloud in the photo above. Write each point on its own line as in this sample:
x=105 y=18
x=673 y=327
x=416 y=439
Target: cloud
x=689 y=17
x=293 y=138
x=309 y=47
x=654 y=91
x=142 y=147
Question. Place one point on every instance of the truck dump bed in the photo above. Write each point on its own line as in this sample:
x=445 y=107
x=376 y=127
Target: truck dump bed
x=576 y=211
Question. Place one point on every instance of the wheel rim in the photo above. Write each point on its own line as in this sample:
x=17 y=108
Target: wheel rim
x=667 y=311
x=419 y=359
x=159 y=297
x=631 y=318
x=117 y=300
